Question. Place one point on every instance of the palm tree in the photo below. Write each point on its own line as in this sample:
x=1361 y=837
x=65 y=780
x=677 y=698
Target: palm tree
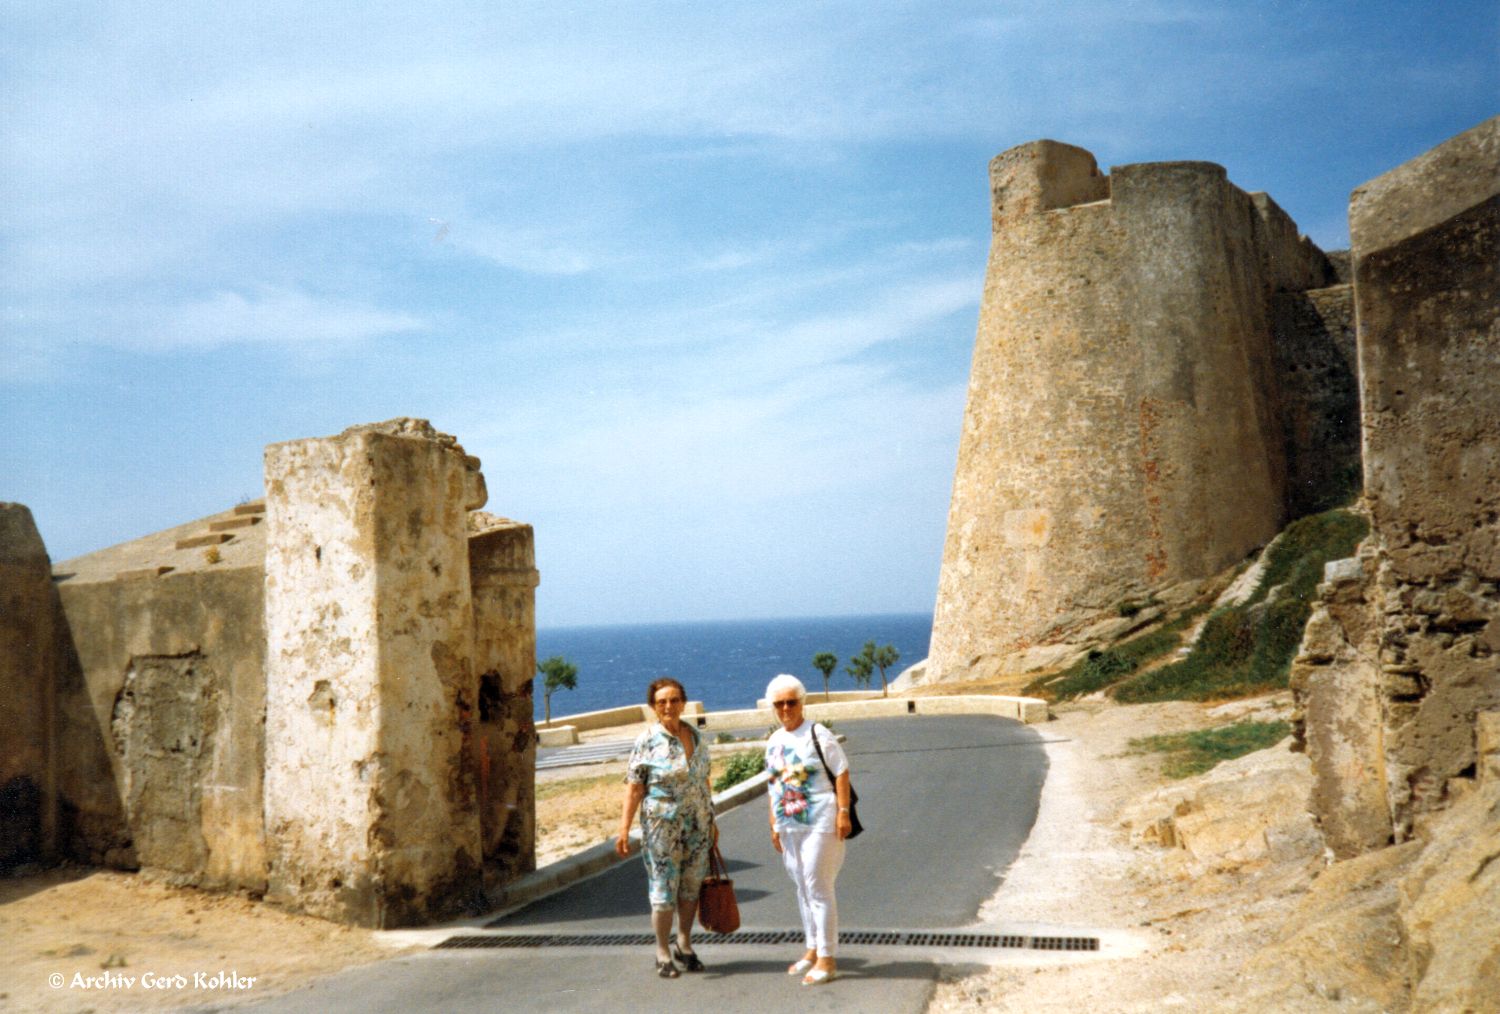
x=884 y=658
x=824 y=662
x=870 y=658
x=558 y=673
x=862 y=666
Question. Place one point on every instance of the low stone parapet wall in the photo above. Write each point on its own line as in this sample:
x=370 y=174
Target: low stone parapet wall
x=630 y=714
x=557 y=735
x=832 y=697
x=1028 y=710
x=586 y=721
x=1023 y=709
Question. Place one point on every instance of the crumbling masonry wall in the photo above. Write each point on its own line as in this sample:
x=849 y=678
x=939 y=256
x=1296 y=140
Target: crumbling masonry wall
x=372 y=697
x=28 y=817
x=1402 y=659
x=160 y=697
x=1122 y=430
x=503 y=575
x=1313 y=334
x=399 y=780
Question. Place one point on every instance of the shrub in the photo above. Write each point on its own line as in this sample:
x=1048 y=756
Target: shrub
x=740 y=767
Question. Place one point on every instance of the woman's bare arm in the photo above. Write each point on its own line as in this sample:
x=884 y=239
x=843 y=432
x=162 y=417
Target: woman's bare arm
x=634 y=793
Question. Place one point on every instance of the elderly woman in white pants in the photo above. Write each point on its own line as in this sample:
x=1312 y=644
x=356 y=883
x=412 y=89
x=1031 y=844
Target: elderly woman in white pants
x=809 y=822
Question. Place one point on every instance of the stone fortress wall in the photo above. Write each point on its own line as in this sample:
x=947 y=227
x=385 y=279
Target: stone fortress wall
x=1127 y=428
x=324 y=697
x=1398 y=677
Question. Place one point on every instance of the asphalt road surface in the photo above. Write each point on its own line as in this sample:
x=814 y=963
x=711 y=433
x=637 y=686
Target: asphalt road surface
x=947 y=803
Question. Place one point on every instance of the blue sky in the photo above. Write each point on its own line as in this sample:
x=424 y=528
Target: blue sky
x=698 y=282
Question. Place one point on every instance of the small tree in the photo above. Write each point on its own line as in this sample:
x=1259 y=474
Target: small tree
x=884 y=658
x=825 y=662
x=869 y=659
x=558 y=673
x=862 y=666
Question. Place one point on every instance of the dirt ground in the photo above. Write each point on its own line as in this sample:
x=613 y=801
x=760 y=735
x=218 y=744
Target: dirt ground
x=1198 y=926
x=81 y=924
x=1079 y=869
x=70 y=926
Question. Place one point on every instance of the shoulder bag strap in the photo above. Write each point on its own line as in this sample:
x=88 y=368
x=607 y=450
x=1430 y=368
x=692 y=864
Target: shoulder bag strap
x=818 y=747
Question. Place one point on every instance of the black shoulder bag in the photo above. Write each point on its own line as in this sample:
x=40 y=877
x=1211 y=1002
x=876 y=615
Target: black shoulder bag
x=855 y=827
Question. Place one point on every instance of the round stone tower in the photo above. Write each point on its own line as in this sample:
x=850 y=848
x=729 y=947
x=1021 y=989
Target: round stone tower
x=1122 y=430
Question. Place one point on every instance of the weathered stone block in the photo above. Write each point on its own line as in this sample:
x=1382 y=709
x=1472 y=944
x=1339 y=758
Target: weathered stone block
x=371 y=699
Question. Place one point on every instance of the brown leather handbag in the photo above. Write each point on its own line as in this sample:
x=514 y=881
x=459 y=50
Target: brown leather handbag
x=718 y=910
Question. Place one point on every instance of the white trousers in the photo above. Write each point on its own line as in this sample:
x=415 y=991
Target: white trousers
x=813 y=859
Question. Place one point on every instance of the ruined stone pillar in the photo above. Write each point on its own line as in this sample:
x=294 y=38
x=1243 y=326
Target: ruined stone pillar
x=371 y=695
x=28 y=666
x=1121 y=431
x=502 y=570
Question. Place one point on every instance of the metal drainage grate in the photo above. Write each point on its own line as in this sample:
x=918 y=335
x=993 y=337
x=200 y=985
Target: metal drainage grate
x=878 y=938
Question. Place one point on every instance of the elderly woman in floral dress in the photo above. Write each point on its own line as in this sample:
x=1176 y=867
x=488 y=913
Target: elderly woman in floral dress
x=809 y=822
x=666 y=779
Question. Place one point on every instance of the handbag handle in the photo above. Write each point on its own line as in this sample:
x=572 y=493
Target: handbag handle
x=716 y=865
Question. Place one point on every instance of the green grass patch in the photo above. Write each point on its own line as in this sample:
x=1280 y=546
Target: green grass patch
x=1192 y=753
x=1105 y=667
x=1247 y=649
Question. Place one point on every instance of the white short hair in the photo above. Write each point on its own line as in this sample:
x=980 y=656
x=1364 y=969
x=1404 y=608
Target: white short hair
x=783 y=683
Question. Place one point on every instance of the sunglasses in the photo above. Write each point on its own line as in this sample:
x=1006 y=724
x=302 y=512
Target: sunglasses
x=669 y=700
x=781 y=705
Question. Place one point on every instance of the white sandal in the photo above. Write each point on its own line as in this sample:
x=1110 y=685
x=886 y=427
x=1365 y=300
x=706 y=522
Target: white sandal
x=819 y=976
x=800 y=966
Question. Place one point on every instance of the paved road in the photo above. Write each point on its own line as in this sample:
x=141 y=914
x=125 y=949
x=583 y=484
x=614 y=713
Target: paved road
x=948 y=802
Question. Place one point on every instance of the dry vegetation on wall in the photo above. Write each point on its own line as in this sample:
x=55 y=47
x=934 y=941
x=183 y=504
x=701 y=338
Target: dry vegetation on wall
x=1242 y=650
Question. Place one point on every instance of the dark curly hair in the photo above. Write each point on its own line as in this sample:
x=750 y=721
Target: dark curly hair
x=665 y=681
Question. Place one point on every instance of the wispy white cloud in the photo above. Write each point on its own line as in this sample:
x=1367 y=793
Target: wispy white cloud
x=533 y=250
x=267 y=316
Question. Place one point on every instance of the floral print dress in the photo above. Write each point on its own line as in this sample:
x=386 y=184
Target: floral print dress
x=676 y=814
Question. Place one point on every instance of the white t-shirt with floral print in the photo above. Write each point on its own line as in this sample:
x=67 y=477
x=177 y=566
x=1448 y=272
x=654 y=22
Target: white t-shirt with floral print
x=802 y=793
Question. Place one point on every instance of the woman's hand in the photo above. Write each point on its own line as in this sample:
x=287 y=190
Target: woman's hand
x=775 y=839
x=843 y=793
x=634 y=793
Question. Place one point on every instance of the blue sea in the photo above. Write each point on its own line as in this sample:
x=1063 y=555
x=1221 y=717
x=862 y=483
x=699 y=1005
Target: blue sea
x=724 y=664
